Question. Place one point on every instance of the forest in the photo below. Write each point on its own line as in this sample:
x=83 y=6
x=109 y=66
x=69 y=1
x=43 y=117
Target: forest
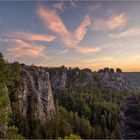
x=81 y=113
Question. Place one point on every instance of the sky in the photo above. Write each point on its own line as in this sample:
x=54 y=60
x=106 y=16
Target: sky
x=85 y=34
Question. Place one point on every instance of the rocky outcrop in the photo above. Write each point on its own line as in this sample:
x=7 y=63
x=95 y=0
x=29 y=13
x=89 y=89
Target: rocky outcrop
x=130 y=118
x=62 y=78
x=58 y=78
x=37 y=83
x=106 y=79
x=85 y=78
x=109 y=80
x=35 y=88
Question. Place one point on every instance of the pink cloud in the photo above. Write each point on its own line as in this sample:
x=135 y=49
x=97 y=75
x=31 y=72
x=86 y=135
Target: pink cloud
x=52 y=20
x=54 y=23
x=98 y=60
x=20 y=48
x=126 y=34
x=32 y=36
x=87 y=50
x=113 y=22
x=82 y=29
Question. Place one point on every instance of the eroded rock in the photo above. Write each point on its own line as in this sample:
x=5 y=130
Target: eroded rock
x=35 y=89
x=130 y=118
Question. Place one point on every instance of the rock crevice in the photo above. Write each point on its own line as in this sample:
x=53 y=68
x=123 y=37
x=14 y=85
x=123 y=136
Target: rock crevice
x=35 y=84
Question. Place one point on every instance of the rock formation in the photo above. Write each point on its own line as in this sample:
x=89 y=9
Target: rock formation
x=35 y=87
x=58 y=78
x=130 y=118
x=109 y=80
x=62 y=78
x=106 y=79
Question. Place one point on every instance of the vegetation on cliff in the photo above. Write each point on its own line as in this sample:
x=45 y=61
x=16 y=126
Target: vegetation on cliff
x=7 y=75
x=82 y=109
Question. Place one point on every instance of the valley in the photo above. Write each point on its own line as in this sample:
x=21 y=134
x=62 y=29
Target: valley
x=61 y=102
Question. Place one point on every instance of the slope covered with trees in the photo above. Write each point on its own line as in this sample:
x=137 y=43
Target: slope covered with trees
x=82 y=109
x=7 y=75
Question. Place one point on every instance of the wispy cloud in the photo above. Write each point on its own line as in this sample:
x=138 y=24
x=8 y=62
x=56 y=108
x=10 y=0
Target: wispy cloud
x=73 y=3
x=45 y=59
x=113 y=22
x=21 y=48
x=29 y=36
x=59 y=6
x=3 y=39
x=82 y=29
x=53 y=22
x=126 y=34
x=101 y=59
x=87 y=50
x=64 y=51
x=93 y=7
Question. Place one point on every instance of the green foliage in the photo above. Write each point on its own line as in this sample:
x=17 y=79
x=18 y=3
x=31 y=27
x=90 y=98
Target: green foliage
x=81 y=113
x=101 y=109
x=13 y=133
x=65 y=123
x=72 y=137
x=6 y=80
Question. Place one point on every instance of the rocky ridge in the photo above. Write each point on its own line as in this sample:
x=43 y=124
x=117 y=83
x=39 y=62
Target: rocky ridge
x=106 y=79
x=35 y=87
x=109 y=80
x=130 y=118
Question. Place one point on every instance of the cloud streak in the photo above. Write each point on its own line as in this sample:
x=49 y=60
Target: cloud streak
x=113 y=22
x=21 y=48
x=93 y=7
x=126 y=34
x=59 y=6
x=64 y=51
x=87 y=50
x=82 y=29
x=54 y=23
x=52 y=20
x=29 y=36
x=98 y=60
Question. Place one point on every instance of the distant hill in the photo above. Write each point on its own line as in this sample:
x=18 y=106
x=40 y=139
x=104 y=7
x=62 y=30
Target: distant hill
x=133 y=77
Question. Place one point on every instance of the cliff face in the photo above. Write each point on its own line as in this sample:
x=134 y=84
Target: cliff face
x=35 y=88
x=130 y=118
x=109 y=80
x=58 y=78
x=63 y=78
x=36 y=85
x=106 y=79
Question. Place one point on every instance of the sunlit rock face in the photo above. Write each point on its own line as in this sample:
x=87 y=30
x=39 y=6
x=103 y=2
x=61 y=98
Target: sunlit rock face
x=36 y=92
x=130 y=118
x=109 y=80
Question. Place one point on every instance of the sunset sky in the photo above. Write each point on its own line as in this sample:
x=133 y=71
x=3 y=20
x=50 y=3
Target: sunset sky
x=71 y=33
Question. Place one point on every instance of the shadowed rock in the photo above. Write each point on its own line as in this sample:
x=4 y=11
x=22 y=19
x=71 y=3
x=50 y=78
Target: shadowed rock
x=106 y=69
x=111 y=70
x=130 y=118
x=108 y=80
x=118 y=70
